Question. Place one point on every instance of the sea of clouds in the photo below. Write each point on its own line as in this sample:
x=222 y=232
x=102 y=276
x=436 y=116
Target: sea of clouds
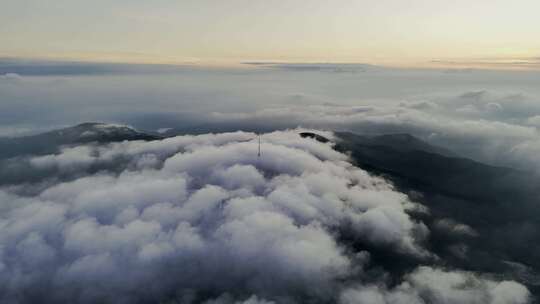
x=490 y=116
x=193 y=219
x=492 y=128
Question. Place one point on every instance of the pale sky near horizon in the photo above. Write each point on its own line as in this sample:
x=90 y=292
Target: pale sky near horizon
x=384 y=31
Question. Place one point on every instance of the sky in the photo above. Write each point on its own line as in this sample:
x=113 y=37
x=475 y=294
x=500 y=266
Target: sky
x=410 y=33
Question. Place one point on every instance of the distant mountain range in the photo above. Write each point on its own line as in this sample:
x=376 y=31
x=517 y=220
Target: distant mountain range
x=50 y=142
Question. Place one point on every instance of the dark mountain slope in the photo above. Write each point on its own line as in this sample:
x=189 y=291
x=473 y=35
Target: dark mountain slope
x=401 y=142
x=500 y=205
x=431 y=168
x=50 y=142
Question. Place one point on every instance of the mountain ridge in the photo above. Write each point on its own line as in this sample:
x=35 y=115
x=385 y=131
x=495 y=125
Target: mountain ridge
x=51 y=141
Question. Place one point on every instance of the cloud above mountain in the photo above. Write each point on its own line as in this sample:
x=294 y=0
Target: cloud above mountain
x=191 y=219
x=495 y=129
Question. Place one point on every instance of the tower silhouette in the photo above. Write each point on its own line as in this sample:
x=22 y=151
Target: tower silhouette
x=259 y=151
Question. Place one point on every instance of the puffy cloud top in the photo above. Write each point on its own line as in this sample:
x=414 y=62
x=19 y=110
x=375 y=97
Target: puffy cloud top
x=203 y=218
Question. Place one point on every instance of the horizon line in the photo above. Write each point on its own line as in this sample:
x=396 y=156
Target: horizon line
x=531 y=63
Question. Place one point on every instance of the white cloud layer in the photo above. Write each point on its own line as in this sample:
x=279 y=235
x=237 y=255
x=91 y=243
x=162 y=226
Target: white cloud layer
x=195 y=218
x=428 y=285
x=497 y=129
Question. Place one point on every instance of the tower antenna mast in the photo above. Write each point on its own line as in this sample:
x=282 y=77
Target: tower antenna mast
x=259 y=151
